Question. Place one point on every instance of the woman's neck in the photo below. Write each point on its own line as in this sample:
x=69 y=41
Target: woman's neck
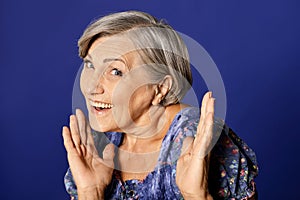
x=142 y=139
x=137 y=156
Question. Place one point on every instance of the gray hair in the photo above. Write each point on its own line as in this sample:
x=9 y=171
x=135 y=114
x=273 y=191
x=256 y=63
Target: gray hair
x=157 y=41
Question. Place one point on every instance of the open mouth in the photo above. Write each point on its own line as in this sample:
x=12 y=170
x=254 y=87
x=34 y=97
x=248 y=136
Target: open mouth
x=99 y=106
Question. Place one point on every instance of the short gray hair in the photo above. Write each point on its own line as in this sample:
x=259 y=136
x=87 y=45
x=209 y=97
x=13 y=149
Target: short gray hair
x=159 y=43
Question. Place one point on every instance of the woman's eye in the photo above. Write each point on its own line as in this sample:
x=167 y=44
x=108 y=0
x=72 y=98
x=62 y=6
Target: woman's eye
x=89 y=65
x=116 y=72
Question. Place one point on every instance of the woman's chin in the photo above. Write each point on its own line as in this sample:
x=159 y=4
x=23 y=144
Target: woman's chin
x=101 y=127
x=96 y=126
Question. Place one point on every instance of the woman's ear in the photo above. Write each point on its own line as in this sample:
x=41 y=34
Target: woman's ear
x=165 y=85
x=162 y=90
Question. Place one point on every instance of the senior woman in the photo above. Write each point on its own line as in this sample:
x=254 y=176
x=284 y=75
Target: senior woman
x=139 y=141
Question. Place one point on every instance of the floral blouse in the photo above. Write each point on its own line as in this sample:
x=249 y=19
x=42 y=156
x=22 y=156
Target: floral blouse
x=232 y=167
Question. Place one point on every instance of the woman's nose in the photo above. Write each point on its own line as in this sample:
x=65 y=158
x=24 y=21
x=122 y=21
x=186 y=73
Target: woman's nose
x=96 y=85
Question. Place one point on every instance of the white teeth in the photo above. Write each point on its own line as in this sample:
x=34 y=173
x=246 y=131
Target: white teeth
x=101 y=105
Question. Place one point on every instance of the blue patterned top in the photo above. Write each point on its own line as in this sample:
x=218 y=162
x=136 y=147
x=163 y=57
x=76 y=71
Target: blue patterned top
x=232 y=167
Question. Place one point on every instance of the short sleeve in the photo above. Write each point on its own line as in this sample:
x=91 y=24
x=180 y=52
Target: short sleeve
x=70 y=185
x=233 y=167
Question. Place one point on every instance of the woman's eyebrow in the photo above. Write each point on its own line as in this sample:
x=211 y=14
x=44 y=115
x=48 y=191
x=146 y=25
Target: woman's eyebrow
x=88 y=57
x=106 y=60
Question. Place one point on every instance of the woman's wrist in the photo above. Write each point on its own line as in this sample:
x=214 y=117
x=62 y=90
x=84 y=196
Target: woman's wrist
x=200 y=196
x=91 y=193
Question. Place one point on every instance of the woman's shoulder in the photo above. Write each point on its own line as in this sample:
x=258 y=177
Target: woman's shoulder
x=233 y=165
x=184 y=124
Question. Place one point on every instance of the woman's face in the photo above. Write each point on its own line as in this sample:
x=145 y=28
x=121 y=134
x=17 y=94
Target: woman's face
x=116 y=86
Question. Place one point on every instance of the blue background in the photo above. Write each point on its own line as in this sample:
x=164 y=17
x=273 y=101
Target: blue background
x=255 y=45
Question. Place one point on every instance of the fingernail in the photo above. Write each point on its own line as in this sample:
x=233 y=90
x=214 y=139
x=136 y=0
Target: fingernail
x=213 y=100
x=72 y=117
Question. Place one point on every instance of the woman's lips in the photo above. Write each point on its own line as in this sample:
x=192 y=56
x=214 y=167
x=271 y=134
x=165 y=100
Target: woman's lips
x=100 y=104
x=99 y=107
x=100 y=111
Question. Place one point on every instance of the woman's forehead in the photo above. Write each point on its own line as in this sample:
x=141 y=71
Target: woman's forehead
x=115 y=47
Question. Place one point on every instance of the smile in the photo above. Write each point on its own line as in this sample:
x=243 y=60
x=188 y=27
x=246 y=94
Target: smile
x=100 y=105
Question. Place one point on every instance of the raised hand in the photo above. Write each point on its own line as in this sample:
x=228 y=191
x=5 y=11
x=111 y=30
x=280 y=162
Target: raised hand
x=192 y=167
x=91 y=173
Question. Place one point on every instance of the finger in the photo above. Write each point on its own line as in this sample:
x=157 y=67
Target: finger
x=205 y=100
x=82 y=126
x=75 y=131
x=68 y=142
x=89 y=139
x=207 y=106
x=109 y=154
x=86 y=134
x=210 y=108
x=202 y=143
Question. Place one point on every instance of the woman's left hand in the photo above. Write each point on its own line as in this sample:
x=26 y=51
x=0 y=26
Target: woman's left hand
x=192 y=166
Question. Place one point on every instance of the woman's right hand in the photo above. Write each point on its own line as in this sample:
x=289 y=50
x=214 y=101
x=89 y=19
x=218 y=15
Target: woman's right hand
x=90 y=172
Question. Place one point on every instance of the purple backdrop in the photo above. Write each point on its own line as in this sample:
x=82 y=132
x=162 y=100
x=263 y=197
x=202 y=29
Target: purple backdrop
x=255 y=45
